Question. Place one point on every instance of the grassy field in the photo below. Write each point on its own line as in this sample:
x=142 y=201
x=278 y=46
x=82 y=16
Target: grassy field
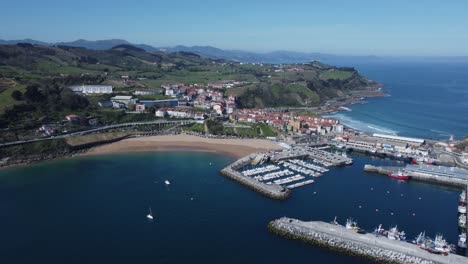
x=80 y=140
x=6 y=88
x=336 y=74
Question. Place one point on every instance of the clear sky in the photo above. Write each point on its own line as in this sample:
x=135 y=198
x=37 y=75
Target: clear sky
x=360 y=27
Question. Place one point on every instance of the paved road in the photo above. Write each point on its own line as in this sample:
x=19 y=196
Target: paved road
x=95 y=130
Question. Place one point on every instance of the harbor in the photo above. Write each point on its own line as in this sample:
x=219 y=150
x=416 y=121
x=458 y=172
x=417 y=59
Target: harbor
x=274 y=174
x=450 y=176
x=349 y=241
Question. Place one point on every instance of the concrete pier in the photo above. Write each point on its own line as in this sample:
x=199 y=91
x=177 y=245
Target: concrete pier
x=339 y=238
x=450 y=181
x=273 y=191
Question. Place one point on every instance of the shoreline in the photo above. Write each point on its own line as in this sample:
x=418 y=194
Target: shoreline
x=232 y=147
x=235 y=148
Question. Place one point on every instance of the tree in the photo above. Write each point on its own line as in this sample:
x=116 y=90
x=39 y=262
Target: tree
x=17 y=95
x=33 y=94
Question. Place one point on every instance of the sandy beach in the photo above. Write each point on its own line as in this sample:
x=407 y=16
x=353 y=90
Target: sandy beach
x=233 y=147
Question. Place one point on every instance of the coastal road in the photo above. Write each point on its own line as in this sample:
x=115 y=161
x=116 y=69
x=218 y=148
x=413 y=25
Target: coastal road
x=99 y=129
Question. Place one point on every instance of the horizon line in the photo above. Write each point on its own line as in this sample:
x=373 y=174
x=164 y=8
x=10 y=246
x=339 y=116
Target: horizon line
x=241 y=50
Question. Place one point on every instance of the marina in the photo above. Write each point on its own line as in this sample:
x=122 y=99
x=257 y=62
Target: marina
x=273 y=173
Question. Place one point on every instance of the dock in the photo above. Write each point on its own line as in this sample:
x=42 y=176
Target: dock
x=325 y=157
x=275 y=174
x=370 y=246
x=273 y=191
x=416 y=174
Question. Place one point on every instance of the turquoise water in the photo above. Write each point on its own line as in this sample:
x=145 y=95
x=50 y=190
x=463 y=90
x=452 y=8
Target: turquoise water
x=428 y=99
x=93 y=210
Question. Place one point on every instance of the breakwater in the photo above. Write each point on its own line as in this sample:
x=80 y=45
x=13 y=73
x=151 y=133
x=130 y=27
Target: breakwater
x=438 y=179
x=273 y=191
x=349 y=242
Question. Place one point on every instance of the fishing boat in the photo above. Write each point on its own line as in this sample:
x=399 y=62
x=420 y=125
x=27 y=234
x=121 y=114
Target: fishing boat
x=462 y=220
x=379 y=231
x=334 y=222
x=438 y=246
x=462 y=240
x=420 y=239
x=394 y=234
x=399 y=176
x=150 y=214
x=462 y=201
x=462 y=209
x=352 y=225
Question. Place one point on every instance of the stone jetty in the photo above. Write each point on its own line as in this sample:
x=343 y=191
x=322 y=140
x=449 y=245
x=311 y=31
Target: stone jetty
x=273 y=191
x=347 y=241
x=420 y=176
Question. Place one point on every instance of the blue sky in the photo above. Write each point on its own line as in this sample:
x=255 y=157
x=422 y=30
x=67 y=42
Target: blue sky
x=359 y=27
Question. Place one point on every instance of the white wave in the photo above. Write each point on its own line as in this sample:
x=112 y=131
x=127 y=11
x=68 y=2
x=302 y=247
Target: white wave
x=441 y=133
x=362 y=126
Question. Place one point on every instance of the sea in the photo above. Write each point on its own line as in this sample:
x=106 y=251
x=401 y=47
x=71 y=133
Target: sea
x=426 y=99
x=93 y=209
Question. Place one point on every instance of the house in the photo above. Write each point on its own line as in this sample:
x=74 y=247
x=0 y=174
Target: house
x=160 y=112
x=199 y=116
x=465 y=157
x=125 y=99
x=48 y=130
x=91 y=89
x=73 y=118
x=105 y=104
x=140 y=108
x=118 y=105
x=218 y=108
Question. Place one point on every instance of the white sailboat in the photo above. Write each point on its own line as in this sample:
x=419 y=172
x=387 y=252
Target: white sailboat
x=150 y=215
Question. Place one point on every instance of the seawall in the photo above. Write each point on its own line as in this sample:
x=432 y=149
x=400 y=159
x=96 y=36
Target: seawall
x=272 y=191
x=339 y=238
x=419 y=176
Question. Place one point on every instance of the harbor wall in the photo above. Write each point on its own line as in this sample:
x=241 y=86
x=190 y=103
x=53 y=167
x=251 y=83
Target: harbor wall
x=339 y=238
x=272 y=191
x=418 y=176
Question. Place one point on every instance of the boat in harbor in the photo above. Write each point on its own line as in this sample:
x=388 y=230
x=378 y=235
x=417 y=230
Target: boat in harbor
x=334 y=222
x=352 y=225
x=394 y=234
x=420 y=239
x=150 y=214
x=462 y=240
x=399 y=176
x=462 y=209
x=462 y=220
x=438 y=246
x=462 y=201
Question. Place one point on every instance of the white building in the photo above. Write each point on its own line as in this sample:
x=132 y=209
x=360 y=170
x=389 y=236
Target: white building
x=147 y=92
x=91 y=89
x=125 y=99
x=160 y=113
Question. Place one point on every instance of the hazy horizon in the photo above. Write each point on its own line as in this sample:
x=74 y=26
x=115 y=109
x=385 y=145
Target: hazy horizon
x=397 y=28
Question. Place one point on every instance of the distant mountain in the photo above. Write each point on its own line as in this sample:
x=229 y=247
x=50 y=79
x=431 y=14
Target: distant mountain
x=82 y=43
x=274 y=57
x=95 y=45
x=31 y=41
